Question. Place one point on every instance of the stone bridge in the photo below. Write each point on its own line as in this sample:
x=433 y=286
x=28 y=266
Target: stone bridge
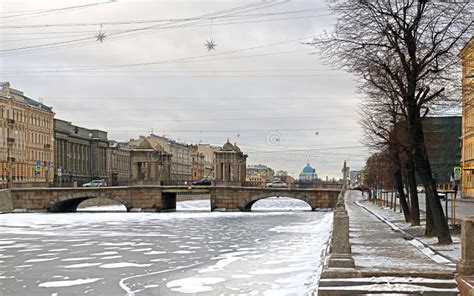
x=242 y=198
x=158 y=198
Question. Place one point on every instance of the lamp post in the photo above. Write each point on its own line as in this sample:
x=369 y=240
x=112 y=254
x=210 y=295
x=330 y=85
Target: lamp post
x=90 y=156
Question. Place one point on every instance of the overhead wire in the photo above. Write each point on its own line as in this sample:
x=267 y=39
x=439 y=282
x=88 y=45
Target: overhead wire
x=288 y=108
x=212 y=119
x=130 y=32
x=188 y=59
x=40 y=13
x=133 y=22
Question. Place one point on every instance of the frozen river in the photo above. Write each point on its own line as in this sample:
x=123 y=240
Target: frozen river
x=188 y=252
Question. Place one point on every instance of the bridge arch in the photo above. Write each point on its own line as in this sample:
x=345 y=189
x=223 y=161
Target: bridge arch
x=69 y=203
x=247 y=204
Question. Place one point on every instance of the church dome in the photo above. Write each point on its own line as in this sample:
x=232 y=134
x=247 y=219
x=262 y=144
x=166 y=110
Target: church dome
x=228 y=146
x=236 y=148
x=308 y=169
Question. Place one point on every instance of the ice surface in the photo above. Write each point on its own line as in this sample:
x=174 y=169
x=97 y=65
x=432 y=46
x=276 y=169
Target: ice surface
x=111 y=257
x=193 y=285
x=135 y=248
x=82 y=265
x=105 y=253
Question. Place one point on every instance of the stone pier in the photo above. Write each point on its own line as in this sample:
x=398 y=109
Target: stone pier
x=465 y=267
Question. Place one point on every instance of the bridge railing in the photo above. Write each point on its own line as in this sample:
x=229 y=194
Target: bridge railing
x=253 y=184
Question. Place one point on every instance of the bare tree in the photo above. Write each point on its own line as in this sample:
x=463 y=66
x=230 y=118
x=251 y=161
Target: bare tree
x=379 y=118
x=413 y=44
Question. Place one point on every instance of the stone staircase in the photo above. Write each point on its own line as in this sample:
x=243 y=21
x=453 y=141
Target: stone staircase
x=387 y=285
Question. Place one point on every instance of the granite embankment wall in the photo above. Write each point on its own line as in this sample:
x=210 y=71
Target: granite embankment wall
x=6 y=204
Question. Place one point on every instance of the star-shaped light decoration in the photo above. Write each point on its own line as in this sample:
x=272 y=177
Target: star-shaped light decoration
x=210 y=45
x=100 y=36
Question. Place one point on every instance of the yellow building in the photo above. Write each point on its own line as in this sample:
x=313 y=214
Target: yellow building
x=255 y=180
x=467 y=57
x=209 y=158
x=26 y=140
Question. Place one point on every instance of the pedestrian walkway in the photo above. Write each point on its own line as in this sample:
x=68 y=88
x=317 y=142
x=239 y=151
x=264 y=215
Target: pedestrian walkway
x=376 y=246
x=387 y=260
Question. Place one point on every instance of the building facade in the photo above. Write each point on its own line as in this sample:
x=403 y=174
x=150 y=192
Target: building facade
x=261 y=170
x=467 y=58
x=355 y=177
x=285 y=177
x=198 y=170
x=443 y=145
x=81 y=154
x=26 y=140
x=255 y=181
x=209 y=159
x=182 y=160
x=230 y=166
x=118 y=164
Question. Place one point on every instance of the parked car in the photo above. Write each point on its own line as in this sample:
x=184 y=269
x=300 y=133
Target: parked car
x=95 y=183
x=204 y=182
x=360 y=187
x=277 y=184
x=420 y=188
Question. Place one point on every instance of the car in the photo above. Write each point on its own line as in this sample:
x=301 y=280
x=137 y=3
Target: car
x=204 y=182
x=360 y=187
x=94 y=183
x=277 y=184
x=420 y=189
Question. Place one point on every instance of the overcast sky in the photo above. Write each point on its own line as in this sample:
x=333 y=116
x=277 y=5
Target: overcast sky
x=260 y=87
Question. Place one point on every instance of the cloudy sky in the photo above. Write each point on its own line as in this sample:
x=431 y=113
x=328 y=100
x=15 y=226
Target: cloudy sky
x=260 y=87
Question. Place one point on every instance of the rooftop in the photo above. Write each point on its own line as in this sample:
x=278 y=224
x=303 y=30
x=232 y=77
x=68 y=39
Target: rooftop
x=5 y=86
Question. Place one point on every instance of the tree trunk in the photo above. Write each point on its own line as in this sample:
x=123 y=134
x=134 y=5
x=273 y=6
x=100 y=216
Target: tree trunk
x=423 y=168
x=411 y=178
x=430 y=231
x=401 y=193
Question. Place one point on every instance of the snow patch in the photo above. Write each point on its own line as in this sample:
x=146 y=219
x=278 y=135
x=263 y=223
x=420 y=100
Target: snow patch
x=78 y=259
x=58 y=284
x=155 y=253
x=81 y=265
x=41 y=260
x=105 y=253
x=123 y=264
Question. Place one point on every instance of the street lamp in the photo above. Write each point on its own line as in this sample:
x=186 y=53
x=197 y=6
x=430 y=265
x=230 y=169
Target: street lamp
x=90 y=156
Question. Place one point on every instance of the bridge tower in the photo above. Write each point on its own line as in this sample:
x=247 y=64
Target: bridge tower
x=230 y=165
x=149 y=165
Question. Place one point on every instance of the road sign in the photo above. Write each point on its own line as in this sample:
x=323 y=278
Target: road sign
x=38 y=162
x=60 y=172
x=457 y=173
x=38 y=168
